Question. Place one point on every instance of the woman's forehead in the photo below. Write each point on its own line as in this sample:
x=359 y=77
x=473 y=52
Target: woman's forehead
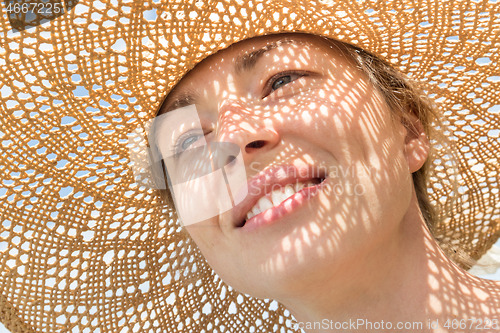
x=242 y=57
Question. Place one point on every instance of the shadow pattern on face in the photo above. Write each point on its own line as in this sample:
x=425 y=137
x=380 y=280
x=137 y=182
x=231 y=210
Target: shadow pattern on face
x=298 y=102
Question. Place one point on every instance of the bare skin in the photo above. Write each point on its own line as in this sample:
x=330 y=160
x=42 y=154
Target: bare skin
x=359 y=248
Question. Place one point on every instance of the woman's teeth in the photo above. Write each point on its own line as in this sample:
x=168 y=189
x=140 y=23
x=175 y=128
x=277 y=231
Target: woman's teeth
x=276 y=197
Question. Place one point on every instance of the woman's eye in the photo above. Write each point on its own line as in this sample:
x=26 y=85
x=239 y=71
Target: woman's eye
x=282 y=79
x=186 y=140
x=189 y=141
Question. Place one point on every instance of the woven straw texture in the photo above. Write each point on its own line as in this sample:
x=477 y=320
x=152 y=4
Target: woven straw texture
x=83 y=248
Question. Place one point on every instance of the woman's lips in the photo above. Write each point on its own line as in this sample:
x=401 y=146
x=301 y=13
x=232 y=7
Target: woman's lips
x=263 y=183
x=278 y=195
x=289 y=205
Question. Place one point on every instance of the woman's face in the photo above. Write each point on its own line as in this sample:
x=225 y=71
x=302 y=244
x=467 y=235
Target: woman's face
x=301 y=114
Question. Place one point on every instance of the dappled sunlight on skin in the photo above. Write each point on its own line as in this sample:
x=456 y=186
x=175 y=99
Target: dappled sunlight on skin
x=453 y=293
x=349 y=237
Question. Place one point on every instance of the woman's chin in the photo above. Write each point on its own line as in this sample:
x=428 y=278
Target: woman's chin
x=285 y=276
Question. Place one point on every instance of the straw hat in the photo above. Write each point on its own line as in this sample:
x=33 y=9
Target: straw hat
x=84 y=248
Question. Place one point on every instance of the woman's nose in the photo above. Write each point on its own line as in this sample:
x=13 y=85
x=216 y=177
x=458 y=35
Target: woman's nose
x=246 y=127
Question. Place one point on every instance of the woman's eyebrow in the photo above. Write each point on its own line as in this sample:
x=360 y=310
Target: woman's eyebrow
x=184 y=99
x=247 y=61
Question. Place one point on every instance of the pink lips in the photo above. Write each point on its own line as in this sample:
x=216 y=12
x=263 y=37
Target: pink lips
x=273 y=214
x=269 y=179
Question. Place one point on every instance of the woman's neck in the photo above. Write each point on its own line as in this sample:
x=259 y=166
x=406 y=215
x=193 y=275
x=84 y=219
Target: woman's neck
x=407 y=279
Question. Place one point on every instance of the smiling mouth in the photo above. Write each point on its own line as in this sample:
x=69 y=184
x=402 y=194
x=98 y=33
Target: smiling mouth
x=277 y=196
